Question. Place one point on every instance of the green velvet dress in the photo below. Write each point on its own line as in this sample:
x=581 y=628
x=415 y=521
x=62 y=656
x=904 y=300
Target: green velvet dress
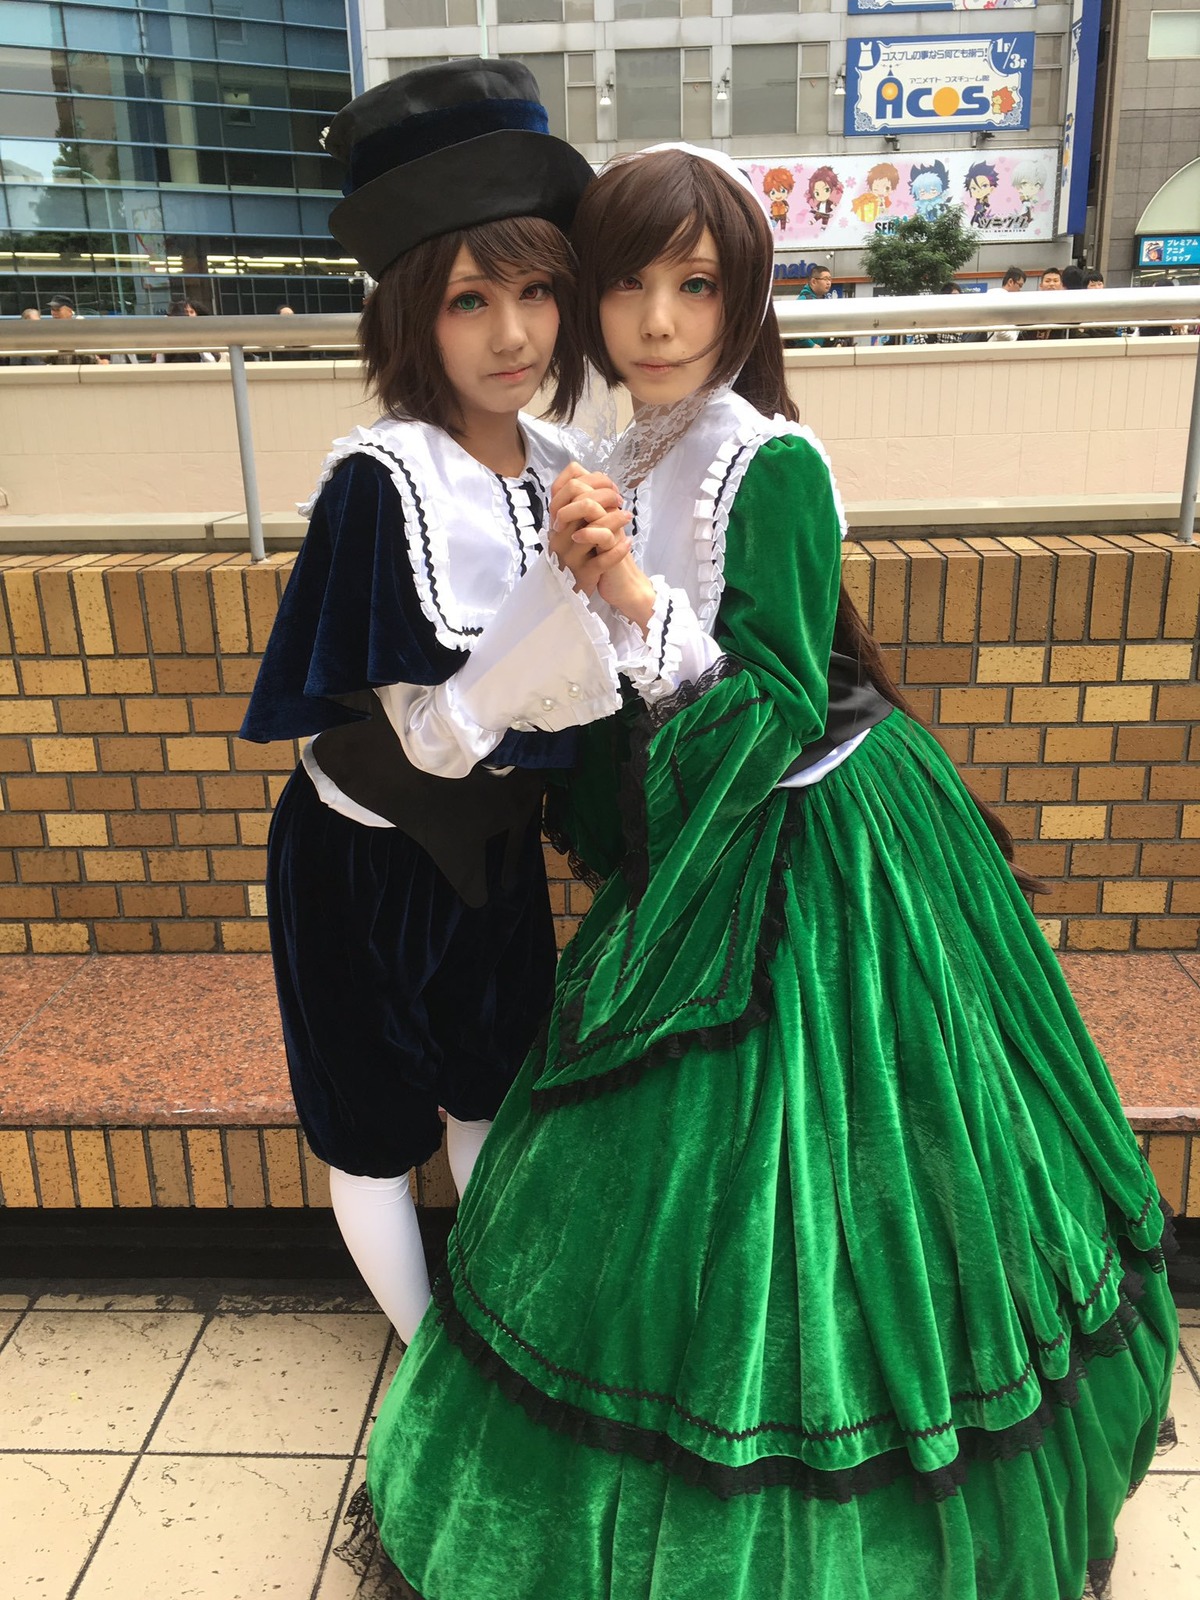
x=811 y=1255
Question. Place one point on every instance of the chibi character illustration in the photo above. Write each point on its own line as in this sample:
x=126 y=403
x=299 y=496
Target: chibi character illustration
x=825 y=191
x=881 y=180
x=1028 y=180
x=981 y=185
x=929 y=186
x=1003 y=101
x=777 y=186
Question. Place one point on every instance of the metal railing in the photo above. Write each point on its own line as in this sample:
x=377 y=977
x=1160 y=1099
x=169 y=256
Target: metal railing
x=859 y=318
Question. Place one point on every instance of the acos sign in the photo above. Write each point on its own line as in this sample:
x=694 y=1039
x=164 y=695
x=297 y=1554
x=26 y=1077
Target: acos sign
x=918 y=84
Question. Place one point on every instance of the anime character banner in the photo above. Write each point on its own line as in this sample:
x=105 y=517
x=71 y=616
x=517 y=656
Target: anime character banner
x=862 y=8
x=948 y=84
x=838 y=204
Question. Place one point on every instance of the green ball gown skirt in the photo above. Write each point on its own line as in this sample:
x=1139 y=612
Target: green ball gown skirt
x=811 y=1257
x=864 y=1301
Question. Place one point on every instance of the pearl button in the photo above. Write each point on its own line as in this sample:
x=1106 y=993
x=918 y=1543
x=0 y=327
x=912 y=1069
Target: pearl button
x=548 y=704
x=574 y=691
x=521 y=726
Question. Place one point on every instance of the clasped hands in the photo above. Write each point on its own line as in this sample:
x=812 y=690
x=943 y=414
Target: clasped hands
x=588 y=537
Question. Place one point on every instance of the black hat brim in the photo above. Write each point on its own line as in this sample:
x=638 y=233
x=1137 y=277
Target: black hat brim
x=509 y=173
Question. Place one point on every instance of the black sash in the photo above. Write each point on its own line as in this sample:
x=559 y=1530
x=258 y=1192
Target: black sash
x=451 y=819
x=854 y=706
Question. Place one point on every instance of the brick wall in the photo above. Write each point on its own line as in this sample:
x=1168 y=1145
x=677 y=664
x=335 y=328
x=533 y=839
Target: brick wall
x=1059 y=672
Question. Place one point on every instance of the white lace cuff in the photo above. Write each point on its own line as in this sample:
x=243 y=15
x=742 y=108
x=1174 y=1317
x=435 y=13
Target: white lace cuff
x=675 y=650
x=544 y=663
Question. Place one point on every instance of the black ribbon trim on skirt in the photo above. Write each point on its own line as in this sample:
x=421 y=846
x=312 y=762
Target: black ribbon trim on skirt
x=758 y=1008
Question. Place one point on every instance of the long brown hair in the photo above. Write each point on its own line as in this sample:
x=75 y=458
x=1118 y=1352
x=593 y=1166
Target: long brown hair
x=643 y=208
x=396 y=334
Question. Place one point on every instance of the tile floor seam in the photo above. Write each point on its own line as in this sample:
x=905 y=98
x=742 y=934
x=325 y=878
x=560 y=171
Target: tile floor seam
x=359 y=1441
x=1186 y=1357
x=158 y=1416
x=50 y=999
x=1187 y=972
x=20 y=1316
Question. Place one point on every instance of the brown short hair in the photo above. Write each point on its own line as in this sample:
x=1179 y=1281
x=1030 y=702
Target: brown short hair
x=396 y=333
x=643 y=207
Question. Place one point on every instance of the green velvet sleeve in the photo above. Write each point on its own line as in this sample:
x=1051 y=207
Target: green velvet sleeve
x=672 y=944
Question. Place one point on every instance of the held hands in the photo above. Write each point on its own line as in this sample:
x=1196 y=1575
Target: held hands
x=588 y=538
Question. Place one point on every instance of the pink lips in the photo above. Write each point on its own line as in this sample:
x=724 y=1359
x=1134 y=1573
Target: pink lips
x=514 y=376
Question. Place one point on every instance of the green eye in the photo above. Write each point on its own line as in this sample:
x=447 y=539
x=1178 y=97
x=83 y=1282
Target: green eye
x=699 y=286
x=467 y=302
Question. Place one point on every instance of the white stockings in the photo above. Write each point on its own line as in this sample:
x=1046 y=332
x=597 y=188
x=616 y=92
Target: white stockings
x=378 y=1222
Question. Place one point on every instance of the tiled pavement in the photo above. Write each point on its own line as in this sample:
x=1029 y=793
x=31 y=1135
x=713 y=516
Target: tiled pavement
x=201 y=1447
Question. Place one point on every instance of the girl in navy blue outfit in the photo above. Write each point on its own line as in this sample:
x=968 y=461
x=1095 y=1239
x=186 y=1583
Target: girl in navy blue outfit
x=434 y=654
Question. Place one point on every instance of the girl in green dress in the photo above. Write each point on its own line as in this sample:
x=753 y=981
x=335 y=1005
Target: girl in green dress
x=811 y=1255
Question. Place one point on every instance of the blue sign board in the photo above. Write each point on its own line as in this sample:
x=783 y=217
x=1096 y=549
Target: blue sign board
x=861 y=8
x=942 y=85
x=1170 y=250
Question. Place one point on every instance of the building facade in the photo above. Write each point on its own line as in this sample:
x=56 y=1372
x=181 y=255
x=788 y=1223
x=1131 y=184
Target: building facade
x=766 y=81
x=150 y=150
x=1146 y=219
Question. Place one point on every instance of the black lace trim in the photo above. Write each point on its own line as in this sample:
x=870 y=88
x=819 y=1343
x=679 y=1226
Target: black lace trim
x=645 y=1444
x=423 y=529
x=381 y=1579
x=716 y=1036
x=557 y=840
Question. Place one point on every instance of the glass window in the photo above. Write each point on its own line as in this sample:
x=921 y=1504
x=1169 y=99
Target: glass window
x=28 y=160
x=178 y=36
x=580 y=10
x=549 y=72
x=648 y=94
x=581 y=67
x=696 y=112
x=812 y=91
x=695 y=8
x=815 y=5
x=243 y=129
x=89 y=28
x=91 y=73
x=314 y=219
x=581 y=114
x=250 y=86
x=58 y=206
x=397 y=69
x=308 y=47
x=1174 y=35
x=1047 y=49
x=316 y=172
x=36 y=115
x=28 y=24
x=274 y=213
x=196 y=213
x=316 y=91
x=251 y=169
x=627 y=10
x=414 y=13
x=764 y=89
x=697 y=66
x=262 y=10
x=43 y=71
x=758 y=8
x=529 y=10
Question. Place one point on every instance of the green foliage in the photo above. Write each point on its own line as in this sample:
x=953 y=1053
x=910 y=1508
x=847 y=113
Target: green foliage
x=919 y=257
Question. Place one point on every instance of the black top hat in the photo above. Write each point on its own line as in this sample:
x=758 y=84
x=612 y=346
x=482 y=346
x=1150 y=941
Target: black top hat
x=448 y=147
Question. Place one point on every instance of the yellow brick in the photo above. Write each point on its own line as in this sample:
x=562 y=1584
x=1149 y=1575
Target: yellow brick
x=28 y=716
x=123 y=675
x=24 y=614
x=283 y=1167
x=91 y=1168
x=207 y=1167
x=1191 y=823
x=1011 y=664
x=59 y=938
x=316 y=1177
x=245 y=936
x=81 y=827
x=253 y=827
x=277 y=782
x=1102 y=703
x=229 y=603
x=64 y=755
x=246 y=1183
x=256 y=899
x=1052 y=928
x=14 y=941
x=8 y=678
x=16 y=1170
x=129 y=1168
x=1166 y=1156
x=1045 y=705
x=92 y=609
x=53 y=677
x=1082 y=663
x=198 y=755
x=170 y=1171
x=1157 y=661
x=1072 y=822
x=1137 y=896
x=114 y=866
